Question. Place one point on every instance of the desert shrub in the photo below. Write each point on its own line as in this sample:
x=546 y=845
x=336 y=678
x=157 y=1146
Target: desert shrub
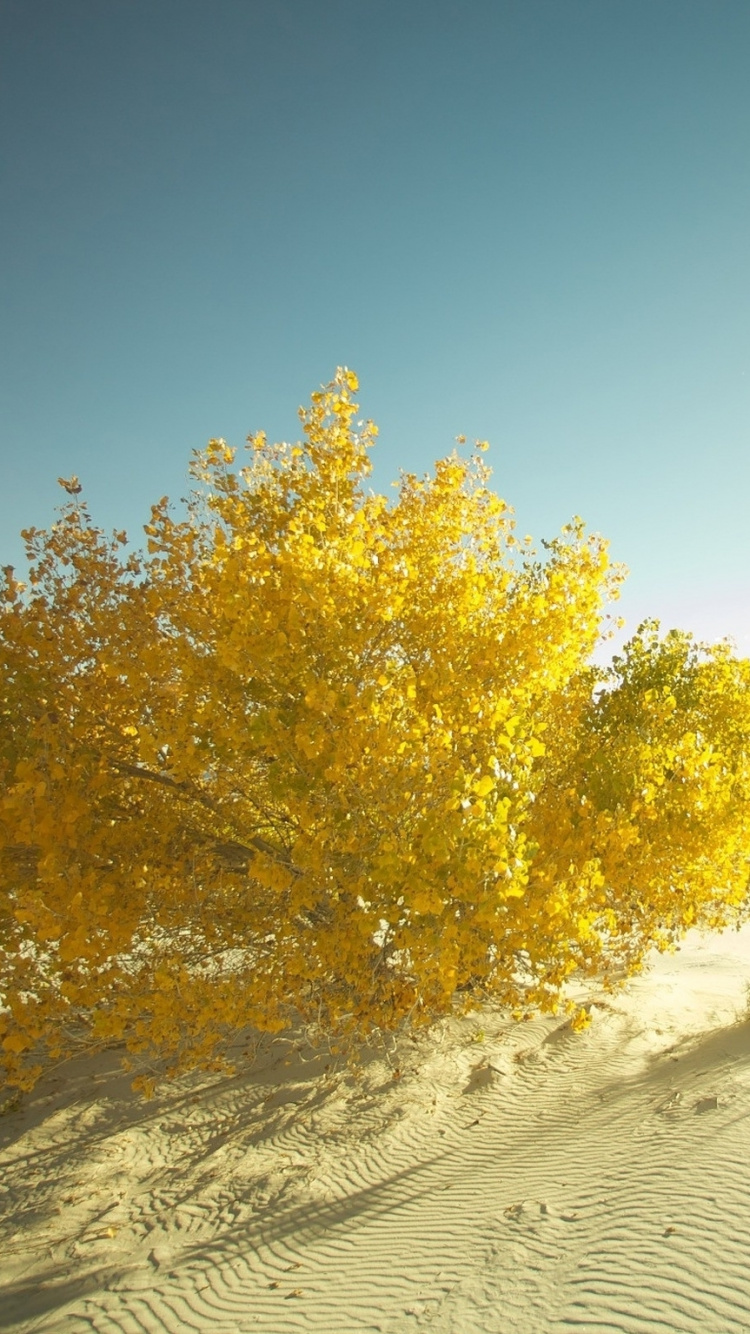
x=320 y=756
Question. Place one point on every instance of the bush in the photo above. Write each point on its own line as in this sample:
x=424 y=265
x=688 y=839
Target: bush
x=320 y=756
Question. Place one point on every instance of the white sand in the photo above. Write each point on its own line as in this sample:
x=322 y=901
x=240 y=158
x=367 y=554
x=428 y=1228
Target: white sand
x=533 y=1180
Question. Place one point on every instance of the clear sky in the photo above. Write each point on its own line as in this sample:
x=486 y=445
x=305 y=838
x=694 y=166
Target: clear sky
x=522 y=220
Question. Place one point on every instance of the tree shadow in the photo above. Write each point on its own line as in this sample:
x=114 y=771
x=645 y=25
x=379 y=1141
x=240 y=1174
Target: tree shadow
x=30 y=1299
x=81 y=1114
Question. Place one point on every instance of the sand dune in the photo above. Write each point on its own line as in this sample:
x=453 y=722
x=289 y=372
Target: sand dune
x=511 y=1178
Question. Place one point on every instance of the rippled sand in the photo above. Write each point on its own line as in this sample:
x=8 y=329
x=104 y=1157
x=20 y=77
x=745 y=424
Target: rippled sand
x=510 y=1178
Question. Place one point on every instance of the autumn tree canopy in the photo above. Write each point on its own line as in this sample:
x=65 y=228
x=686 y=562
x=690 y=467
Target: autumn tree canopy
x=321 y=756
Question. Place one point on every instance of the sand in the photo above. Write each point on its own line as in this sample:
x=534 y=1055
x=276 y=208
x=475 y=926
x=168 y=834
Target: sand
x=489 y=1177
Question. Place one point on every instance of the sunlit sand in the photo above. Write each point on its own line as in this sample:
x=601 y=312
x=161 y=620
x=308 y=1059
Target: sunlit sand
x=489 y=1177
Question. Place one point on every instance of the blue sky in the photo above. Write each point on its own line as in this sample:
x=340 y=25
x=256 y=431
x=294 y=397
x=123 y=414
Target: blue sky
x=525 y=221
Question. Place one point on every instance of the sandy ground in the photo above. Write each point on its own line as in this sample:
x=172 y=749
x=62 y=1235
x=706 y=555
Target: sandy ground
x=511 y=1178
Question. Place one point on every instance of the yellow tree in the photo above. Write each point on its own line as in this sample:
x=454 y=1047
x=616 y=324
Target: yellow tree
x=319 y=756
x=643 y=824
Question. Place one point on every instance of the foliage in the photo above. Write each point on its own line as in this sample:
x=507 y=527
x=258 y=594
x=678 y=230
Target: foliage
x=320 y=756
